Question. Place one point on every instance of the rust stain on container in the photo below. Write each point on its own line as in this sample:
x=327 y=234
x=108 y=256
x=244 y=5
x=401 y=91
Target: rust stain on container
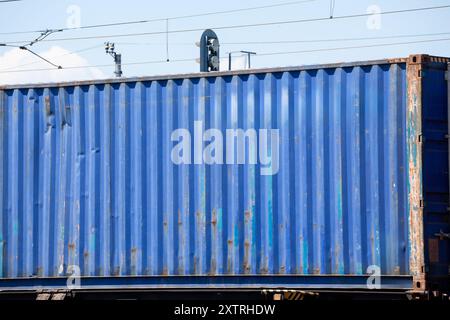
x=180 y=219
x=246 y=257
x=134 y=253
x=230 y=256
x=214 y=218
x=213 y=266
x=433 y=250
x=116 y=271
x=39 y=271
x=414 y=145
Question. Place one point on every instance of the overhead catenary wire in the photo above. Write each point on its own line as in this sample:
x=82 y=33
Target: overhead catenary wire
x=259 y=55
x=54 y=57
x=45 y=33
x=339 y=39
x=332 y=7
x=247 y=42
x=243 y=43
x=240 y=26
x=41 y=37
x=291 y=41
x=352 y=47
x=103 y=65
x=41 y=57
x=25 y=48
x=115 y=24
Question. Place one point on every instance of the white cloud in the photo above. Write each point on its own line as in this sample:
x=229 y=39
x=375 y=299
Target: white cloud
x=17 y=59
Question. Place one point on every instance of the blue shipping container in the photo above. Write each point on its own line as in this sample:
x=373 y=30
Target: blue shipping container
x=294 y=178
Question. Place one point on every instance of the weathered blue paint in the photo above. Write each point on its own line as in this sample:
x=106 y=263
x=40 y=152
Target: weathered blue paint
x=435 y=174
x=86 y=179
x=257 y=283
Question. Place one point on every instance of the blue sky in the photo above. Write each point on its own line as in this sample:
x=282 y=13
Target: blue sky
x=41 y=14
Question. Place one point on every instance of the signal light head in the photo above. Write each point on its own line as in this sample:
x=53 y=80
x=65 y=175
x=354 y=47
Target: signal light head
x=209 y=51
x=214 y=63
x=214 y=45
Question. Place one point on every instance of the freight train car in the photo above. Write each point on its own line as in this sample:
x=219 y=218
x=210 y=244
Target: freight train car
x=311 y=179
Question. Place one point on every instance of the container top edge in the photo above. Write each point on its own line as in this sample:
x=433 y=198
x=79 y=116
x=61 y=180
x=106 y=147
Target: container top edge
x=203 y=74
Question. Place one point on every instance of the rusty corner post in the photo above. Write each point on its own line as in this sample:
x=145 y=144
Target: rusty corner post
x=414 y=72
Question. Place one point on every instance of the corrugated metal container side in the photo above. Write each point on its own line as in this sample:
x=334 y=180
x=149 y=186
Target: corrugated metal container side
x=435 y=121
x=87 y=179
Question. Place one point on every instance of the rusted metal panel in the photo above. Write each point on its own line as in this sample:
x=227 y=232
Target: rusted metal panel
x=433 y=250
x=91 y=177
x=428 y=167
x=415 y=192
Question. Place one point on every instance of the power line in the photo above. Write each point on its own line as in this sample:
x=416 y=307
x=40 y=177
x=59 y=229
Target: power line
x=263 y=24
x=113 y=24
x=41 y=37
x=41 y=57
x=291 y=41
x=4 y=1
x=25 y=48
x=59 y=56
x=104 y=65
x=332 y=40
x=243 y=43
x=259 y=55
x=352 y=47
x=239 y=10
